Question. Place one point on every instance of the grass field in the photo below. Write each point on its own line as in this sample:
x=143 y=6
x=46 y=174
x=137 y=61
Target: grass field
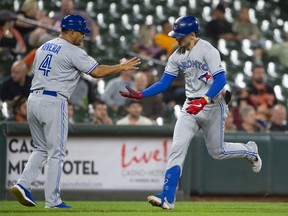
x=9 y=208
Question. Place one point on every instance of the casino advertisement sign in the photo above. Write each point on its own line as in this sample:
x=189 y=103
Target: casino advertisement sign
x=98 y=163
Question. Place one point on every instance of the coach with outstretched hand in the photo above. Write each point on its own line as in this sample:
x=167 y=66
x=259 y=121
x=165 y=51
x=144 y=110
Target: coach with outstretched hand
x=57 y=68
x=204 y=107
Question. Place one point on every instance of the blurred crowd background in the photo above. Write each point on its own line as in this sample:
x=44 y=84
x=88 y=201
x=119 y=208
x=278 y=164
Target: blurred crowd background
x=252 y=37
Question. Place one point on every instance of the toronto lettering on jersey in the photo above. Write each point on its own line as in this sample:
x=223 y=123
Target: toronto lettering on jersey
x=195 y=64
x=51 y=47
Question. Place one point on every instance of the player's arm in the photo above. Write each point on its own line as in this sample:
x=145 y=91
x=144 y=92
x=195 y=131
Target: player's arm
x=154 y=89
x=197 y=105
x=217 y=85
x=105 y=70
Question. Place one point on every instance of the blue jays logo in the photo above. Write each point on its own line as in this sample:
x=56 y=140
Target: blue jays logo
x=204 y=77
x=80 y=22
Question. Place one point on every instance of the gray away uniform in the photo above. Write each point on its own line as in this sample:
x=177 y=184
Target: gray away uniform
x=203 y=60
x=57 y=67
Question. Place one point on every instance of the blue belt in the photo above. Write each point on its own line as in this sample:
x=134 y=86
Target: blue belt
x=46 y=92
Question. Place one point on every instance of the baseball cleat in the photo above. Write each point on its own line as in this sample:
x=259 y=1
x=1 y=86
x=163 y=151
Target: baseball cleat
x=23 y=195
x=160 y=201
x=256 y=164
x=61 y=205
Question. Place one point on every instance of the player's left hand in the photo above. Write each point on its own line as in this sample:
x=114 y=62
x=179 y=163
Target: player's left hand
x=195 y=106
x=131 y=93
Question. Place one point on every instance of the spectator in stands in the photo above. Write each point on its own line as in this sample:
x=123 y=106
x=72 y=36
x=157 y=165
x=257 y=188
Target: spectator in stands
x=110 y=95
x=146 y=44
x=249 y=123
x=278 y=121
x=68 y=7
x=278 y=50
x=261 y=94
x=163 y=40
x=19 y=108
x=9 y=36
x=30 y=32
x=175 y=95
x=29 y=57
x=219 y=27
x=83 y=95
x=100 y=114
x=262 y=117
x=153 y=106
x=71 y=114
x=229 y=123
x=134 y=117
x=242 y=99
x=244 y=28
x=18 y=83
x=151 y=74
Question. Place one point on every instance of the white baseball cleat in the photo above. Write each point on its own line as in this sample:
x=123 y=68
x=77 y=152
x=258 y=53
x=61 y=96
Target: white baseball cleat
x=160 y=201
x=256 y=164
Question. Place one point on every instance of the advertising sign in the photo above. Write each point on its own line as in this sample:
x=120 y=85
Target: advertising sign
x=98 y=163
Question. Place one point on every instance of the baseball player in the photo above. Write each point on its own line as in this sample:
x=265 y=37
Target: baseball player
x=204 y=107
x=57 y=67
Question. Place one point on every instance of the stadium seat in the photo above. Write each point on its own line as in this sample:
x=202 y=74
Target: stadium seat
x=113 y=10
x=136 y=12
x=159 y=11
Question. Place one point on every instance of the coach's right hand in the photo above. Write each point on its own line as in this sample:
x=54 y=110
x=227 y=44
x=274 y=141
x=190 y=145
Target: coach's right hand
x=131 y=93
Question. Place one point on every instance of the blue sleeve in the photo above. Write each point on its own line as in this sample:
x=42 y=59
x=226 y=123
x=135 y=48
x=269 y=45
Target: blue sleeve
x=217 y=85
x=159 y=86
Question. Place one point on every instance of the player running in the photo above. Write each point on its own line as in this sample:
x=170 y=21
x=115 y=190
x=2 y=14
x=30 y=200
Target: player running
x=57 y=68
x=204 y=107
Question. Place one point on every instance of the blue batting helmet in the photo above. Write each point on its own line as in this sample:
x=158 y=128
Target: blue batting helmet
x=74 y=22
x=184 y=26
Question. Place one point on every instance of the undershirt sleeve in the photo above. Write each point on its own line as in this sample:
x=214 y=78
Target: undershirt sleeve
x=159 y=86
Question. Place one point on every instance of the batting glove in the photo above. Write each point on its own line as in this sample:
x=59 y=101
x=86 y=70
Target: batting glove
x=195 y=106
x=131 y=93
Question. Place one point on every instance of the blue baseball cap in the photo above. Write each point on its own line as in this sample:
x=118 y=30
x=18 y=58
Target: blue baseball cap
x=74 y=22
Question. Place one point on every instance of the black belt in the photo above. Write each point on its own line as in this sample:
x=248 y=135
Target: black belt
x=197 y=98
x=46 y=92
x=194 y=98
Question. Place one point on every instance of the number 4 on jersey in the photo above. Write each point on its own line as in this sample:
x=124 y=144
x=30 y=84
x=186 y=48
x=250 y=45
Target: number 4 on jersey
x=45 y=65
